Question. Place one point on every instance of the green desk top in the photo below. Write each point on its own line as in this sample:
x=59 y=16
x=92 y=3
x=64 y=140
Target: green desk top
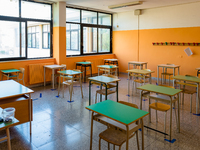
x=187 y=78
x=4 y=125
x=69 y=72
x=139 y=71
x=107 y=66
x=84 y=63
x=118 y=112
x=10 y=70
x=160 y=89
x=103 y=79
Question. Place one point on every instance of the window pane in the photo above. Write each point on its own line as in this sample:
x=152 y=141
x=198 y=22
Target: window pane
x=89 y=17
x=35 y=10
x=38 y=39
x=89 y=39
x=72 y=15
x=29 y=40
x=23 y=39
x=68 y=40
x=9 y=8
x=73 y=39
x=44 y=28
x=104 y=40
x=9 y=39
x=104 y=19
x=33 y=40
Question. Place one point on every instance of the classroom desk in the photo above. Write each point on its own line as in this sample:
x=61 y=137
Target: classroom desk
x=107 y=68
x=137 y=63
x=119 y=116
x=71 y=74
x=7 y=73
x=112 y=62
x=12 y=89
x=180 y=79
x=165 y=66
x=85 y=65
x=138 y=73
x=198 y=71
x=103 y=80
x=6 y=126
x=52 y=67
x=169 y=97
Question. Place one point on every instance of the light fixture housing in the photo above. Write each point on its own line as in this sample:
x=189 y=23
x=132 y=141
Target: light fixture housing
x=125 y=5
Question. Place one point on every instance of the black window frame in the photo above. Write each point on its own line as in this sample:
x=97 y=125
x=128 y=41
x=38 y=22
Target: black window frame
x=20 y=20
x=94 y=26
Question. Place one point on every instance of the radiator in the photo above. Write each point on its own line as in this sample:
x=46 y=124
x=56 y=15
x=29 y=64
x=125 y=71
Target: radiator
x=36 y=73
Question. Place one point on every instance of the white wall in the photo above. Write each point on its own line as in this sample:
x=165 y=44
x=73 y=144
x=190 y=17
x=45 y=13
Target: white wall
x=186 y=15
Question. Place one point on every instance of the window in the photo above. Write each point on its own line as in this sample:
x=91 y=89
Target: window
x=33 y=37
x=88 y=32
x=46 y=36
x=21 y=30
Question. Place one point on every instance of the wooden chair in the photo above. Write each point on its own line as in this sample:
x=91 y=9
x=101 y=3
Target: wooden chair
x=109 y=86
x=165 y=74
x=22 y=70
x=117 y=137
x=140 y=79
x=68 y=81
x=160 y=107
x=58 y=74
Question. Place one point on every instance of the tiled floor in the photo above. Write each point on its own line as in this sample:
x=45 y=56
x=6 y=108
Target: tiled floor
x=59 y=125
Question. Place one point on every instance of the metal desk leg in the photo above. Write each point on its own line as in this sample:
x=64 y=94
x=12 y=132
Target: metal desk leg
x=150 y=78
x=44 y=77
x=178 y=106
x=117 y=91
x=71 y=89
x=81 y=85
x=141 y=99
x=173 y=75
x=158 y=75
x=59 y=85
x=146 y=66
x=127 y=136
x=128 y=83
x=30 y=113
x=197 y=100
x=53 y=78
x=98 y=71
x=90 y=92
x=170 y=125
x=91 y=70
x=91 y=131
x=101 y=94
x=142 y=128
x=106 y=92
x=85 y=74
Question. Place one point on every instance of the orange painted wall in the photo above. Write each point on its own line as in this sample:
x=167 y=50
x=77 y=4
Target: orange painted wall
x=59 y=44
x=126 y=49
x=24 y=64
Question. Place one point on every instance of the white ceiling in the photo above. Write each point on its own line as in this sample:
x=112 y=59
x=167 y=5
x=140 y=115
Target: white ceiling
x=103 y=4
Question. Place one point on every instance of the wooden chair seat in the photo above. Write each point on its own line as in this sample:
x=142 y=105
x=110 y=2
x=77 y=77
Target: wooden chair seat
x=188 y=91
x=140 y=81
x=160 y=106
x=108 y=85
x=103 y=92
x=166 y=73
x=113 y=136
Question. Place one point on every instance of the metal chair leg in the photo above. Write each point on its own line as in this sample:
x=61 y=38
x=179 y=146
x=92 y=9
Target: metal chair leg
x=165 y=122
x=99 y=143
x=191 y=103
x=137 y=138
x=96 y=98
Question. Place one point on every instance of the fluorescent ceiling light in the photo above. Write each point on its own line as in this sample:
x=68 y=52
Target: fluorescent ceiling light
x=125 y=5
